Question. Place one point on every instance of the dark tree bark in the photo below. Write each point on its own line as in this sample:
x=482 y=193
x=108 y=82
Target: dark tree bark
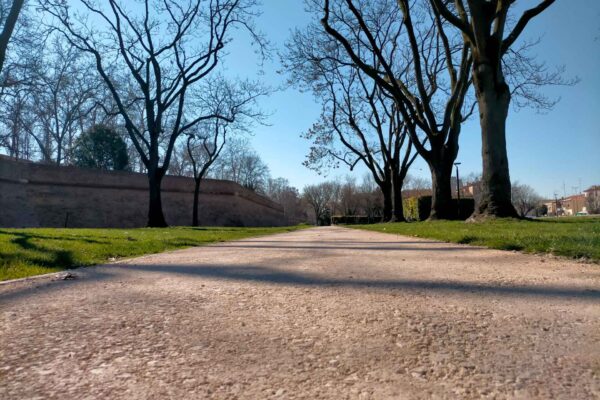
x=398 y=211
x=197 y=182
x=8 y=28
x=156 y=218
x=387 y=206
x=203 y=156
x=399 y=175
x=388 y=201
x=483 y=24
x=493 y=98
x=441 y=199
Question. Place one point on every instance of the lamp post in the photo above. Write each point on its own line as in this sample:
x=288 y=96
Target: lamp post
x=456 y=164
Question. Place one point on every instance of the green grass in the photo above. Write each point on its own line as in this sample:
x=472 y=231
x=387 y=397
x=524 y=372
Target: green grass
x=27 y=252
x=576 y=238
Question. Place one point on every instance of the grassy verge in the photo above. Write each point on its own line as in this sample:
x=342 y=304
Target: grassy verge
x=577 y=238
x=27 y=252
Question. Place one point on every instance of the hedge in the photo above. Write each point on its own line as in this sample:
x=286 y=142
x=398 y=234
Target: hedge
x=355 y=219
x=419 y=208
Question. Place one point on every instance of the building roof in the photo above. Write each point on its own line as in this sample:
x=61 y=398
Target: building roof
x=574 y=197
x=416 y=193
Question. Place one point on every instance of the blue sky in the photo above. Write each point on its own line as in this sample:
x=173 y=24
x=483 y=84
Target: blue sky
x=548 y=151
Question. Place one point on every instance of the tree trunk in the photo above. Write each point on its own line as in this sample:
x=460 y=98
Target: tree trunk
x=196 y=195
x=58 y=154
x=441 y=200
x=493 y=98
x=398 y=213
x=9 y=26
x=156 y=218
x=388 y=204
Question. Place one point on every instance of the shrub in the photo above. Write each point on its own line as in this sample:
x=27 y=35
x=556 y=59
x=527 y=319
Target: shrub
x=419 y=208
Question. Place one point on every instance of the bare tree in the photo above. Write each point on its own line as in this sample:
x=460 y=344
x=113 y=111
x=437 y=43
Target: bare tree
x=319 y=197
x=483 y=25
x=14 y=119
x=63 y=94
x=241 y=164
x=9 y=14
x=349 y=197
x=167 y=50
x=371 y=198
x=524 y=198
x=203 y=149
x=17 y=81
x=253 y=173
x=413 y=56
x=417 y=186
x=359 y=123
x=345 y=200
x=280 y=191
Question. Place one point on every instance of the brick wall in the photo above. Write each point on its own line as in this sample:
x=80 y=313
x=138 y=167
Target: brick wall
x=37 y=195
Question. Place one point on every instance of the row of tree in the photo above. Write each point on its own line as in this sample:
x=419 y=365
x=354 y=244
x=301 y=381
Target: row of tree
x=148 y=69
x=347 y=198
x=336 y=198
x=398 y=78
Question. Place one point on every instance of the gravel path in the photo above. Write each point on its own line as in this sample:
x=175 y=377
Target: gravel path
x=324 y=313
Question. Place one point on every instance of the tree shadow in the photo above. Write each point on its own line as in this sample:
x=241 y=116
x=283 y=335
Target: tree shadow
x=25 y=237
x=250 y=245
x=54 y=258
x=565 y=220
x=348 y=242
x=269 y=275
x=286 y=278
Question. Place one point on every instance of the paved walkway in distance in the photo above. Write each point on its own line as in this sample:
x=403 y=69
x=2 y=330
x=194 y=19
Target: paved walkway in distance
x=324 y=313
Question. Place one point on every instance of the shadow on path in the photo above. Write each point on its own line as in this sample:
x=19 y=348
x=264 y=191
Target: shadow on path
x=282 y=277
x=337 y=247
x=260 y=274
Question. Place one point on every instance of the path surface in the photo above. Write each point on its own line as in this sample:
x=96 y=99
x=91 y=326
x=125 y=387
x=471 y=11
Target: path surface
x=326 y=313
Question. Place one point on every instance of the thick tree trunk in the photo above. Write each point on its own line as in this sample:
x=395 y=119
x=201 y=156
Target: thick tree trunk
x=441 y=200
x=388 y=204
x=195 y=208
x=493 y=97
x=156 y=218
x=398 y=213
x=58 y=154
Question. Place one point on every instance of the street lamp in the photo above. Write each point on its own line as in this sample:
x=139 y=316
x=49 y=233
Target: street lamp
x=456 y=164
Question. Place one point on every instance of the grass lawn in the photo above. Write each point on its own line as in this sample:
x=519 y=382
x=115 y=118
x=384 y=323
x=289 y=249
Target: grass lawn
x=577 y=237
x=27 y=252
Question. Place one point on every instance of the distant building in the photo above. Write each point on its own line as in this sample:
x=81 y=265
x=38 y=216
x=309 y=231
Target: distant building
x=573 y=205
x=471 y=189
x=406 y=194
x=554 y=207
x=592 y=191
x=592 y=199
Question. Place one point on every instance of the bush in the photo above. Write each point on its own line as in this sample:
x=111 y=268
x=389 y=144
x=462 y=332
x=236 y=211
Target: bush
x=101 y=148
x=354 y=220
x=419 y=208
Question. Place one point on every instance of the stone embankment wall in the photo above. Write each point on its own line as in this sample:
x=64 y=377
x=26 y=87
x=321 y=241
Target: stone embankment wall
x=37 y=195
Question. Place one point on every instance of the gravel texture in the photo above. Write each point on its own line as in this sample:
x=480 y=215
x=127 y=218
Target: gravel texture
x=324 y=313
